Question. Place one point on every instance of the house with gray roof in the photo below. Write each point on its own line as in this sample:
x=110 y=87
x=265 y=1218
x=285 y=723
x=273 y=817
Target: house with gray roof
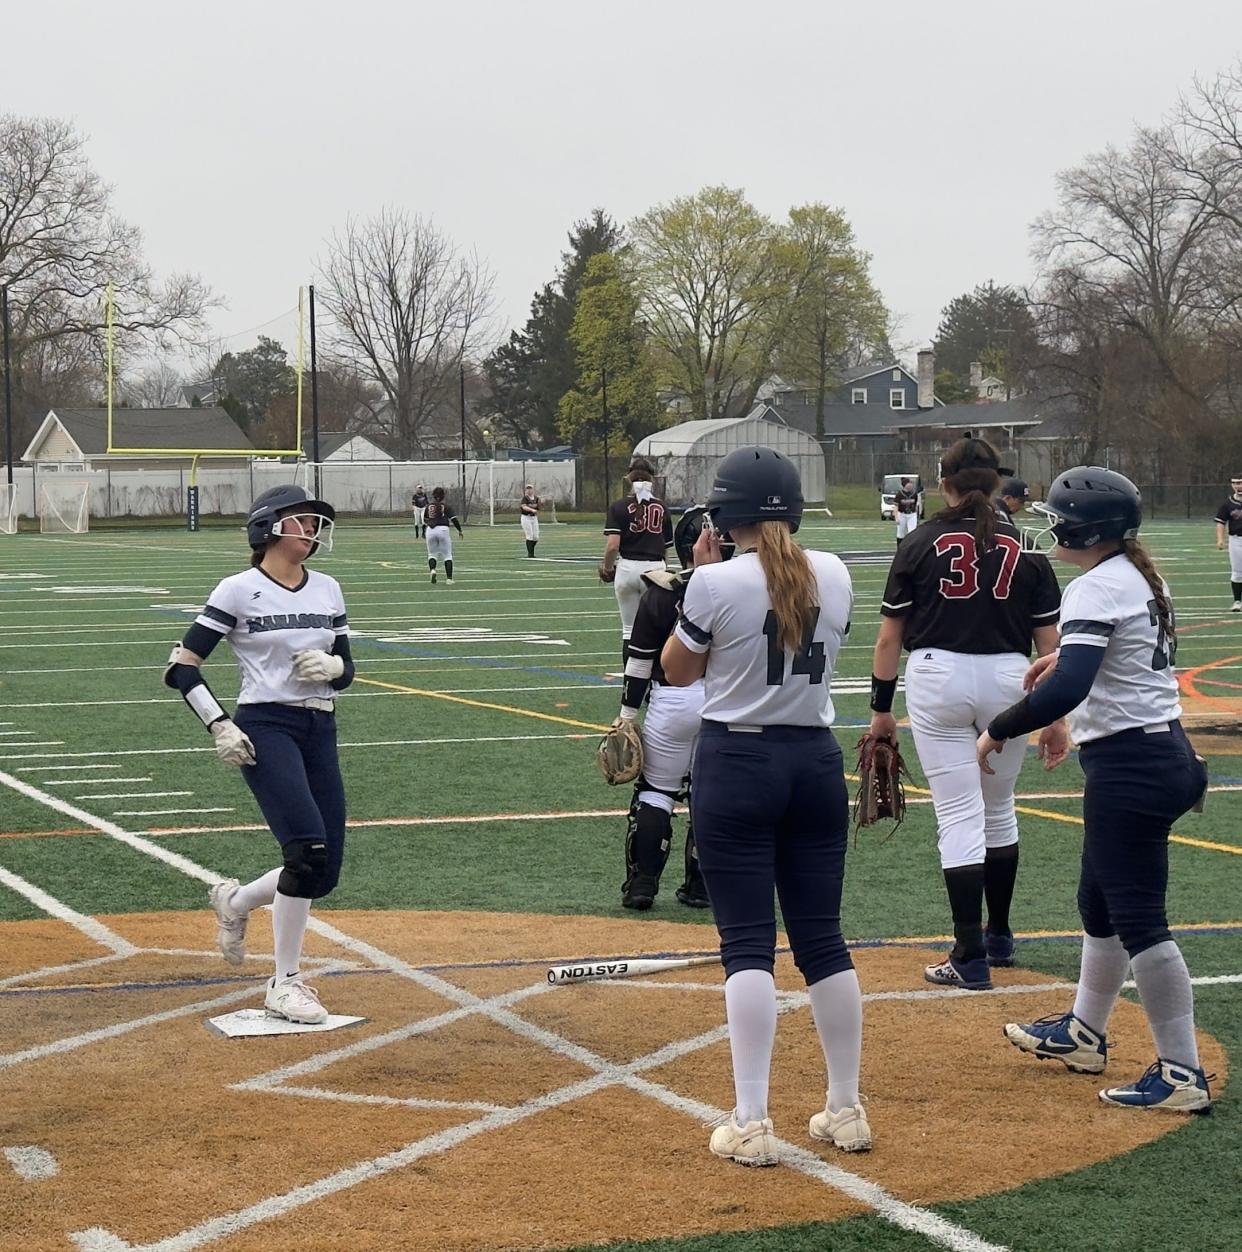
x=78 y=438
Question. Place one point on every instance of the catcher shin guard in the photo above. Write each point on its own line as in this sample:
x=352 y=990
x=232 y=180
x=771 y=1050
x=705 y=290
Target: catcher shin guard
x=648 y=836
x=693 y=892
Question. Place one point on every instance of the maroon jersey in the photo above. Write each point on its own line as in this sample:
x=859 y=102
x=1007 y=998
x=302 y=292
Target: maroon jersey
x=645 y=528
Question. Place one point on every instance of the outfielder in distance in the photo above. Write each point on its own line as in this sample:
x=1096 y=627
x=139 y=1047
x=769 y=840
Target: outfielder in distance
x=967 y=602
x=669 y=733
x=1229 y=527
x=529 y=510
x=1114 y=676
x=288 y=629
x=769 y=800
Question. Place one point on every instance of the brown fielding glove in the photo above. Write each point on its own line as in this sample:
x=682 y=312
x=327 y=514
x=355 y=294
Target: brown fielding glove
x=620 y=753
x=607 y=575
x=881 y=775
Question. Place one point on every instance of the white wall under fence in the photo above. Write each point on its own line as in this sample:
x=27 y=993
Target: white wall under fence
x=378 y=488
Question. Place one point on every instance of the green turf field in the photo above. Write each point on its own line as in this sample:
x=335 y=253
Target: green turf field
x=484 y=700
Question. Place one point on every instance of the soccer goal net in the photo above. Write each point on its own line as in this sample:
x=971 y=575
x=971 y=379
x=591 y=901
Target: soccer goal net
x=8 y=509
x=63 y=506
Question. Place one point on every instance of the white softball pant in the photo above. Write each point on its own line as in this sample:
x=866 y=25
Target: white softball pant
x=669 y=732
x=418 y=516
x=906 y=522
x=439 y=544
x=530 y=526
x=629 y=588
x=951 y=697
x=1235 y=558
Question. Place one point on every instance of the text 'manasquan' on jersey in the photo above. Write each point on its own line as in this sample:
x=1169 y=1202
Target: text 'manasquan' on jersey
x=266 y=623
x=750 y=679
x=644 y=527
x=1111 y=607
x=955 y=598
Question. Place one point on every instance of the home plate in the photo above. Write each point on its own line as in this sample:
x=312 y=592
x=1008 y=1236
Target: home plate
x=246 y=1023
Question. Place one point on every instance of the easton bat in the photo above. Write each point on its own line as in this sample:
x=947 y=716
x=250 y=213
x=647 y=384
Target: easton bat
x=588 y=971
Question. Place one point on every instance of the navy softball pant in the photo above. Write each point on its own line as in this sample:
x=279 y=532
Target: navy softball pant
x=296 y=777
x=1137 y=785
x=771 y=812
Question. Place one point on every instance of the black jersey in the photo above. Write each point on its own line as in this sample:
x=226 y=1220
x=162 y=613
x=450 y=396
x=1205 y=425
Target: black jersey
x=530 y=505
x=440 y=513
x=653 y=624
x=419 y=500
x=906 y=500
x=951 y=597
x=1230 y=514
x=645 y=528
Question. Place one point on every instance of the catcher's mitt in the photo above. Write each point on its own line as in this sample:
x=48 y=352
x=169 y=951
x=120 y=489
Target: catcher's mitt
x=607 y=575
x=620 y=753
x=881 y=777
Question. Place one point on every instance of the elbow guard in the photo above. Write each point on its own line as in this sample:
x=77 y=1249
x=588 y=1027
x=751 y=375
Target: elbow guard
x=189 y=680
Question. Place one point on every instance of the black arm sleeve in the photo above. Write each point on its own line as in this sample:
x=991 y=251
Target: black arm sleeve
x=1076 y=668
x=341 y=648
x=201 y=640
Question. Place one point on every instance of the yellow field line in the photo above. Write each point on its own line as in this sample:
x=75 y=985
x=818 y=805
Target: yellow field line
x=480 y=704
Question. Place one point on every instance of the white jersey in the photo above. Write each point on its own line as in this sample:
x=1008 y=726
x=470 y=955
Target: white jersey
x=750 y=679
x=266 y=623
x=1111 y=607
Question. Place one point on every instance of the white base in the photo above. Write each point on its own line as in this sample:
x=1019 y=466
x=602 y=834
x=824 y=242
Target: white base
x=247 y=1023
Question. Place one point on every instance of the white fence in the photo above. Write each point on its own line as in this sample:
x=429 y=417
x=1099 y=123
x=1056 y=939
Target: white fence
x=375 y=488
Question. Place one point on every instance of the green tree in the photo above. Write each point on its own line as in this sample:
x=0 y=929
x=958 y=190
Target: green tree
x=836 y=317
x=250 y=381
x=715 y=279
x=609 y=345
x=952 y=390
x=529 y=373
x=992 y=324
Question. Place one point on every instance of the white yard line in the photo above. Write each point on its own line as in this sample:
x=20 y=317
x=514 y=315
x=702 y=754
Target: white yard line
x=90 y=782
x=60 y=769
x=129 y=795
x=165 y=812
x=91 y=928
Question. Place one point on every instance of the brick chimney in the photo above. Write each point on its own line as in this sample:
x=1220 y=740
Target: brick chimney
x=927 y=377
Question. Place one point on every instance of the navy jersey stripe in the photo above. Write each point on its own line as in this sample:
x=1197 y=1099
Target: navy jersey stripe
x=1085 y=627
x=219 y=615
x=697 y=633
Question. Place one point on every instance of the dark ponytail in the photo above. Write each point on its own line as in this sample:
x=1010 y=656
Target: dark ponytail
x=1140 y=558
x=971 y=469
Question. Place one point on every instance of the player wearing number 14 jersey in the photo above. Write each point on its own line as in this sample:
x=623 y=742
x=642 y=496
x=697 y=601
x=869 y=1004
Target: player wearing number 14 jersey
x=967 y=603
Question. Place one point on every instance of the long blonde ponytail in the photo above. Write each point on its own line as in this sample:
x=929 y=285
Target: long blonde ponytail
x=792 y=586
x=1140 y=558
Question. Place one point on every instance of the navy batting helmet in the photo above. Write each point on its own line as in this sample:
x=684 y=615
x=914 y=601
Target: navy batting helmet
x=262 y=521
x=755 y=485
x=1088 y=505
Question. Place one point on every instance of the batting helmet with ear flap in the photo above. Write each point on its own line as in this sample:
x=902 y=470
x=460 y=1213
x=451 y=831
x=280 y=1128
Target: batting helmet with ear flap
x=266 y=510
x=756 y=485
x=1088 y=504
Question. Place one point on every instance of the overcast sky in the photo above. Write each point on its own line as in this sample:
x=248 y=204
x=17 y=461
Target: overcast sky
x=239 y=135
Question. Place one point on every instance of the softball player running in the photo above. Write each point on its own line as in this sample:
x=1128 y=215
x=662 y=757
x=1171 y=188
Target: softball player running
x=966 y=602
x=769 y=799
x=439 y=539
x=288 y=629
x=529 y=509
x=1114 y=677
x=637 y=535
x=669 y=733
x=1229 y=526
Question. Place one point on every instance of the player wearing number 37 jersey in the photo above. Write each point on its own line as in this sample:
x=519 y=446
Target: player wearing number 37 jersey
x=967 y=603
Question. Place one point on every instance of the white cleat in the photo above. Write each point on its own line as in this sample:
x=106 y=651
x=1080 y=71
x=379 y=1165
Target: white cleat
x=231 y=927
x=1237 y=607
x=293 y=1000
x=751 y=1144
x=846 y=1129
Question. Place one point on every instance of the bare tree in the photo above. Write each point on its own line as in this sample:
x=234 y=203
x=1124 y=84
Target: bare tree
x=407 y=307
x=156 y=387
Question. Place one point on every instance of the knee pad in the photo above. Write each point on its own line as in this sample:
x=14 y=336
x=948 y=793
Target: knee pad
x=305 y=868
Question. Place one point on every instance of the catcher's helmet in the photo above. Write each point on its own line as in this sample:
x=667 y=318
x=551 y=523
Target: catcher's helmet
x=263 y=520
x=1088 y=505
x=755 y=485
x=686 y=534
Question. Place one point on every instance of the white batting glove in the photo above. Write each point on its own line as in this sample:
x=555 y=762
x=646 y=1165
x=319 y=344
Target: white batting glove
x=233 y=746
x=313 y=665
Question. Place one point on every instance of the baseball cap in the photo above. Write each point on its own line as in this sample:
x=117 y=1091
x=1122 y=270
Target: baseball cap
x=1016 y=488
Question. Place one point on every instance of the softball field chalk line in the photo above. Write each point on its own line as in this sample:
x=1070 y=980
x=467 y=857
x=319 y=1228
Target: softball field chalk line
x=70 y=967
x=91 y=928
x=410 y=1102
x=606 y=1074
x=32 y=1164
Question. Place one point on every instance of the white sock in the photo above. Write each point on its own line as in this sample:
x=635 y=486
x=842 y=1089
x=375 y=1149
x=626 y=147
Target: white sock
x=836 y=1005
x=1169 y=1000
x=1105 y=964
x=750 y=1006
x=289 y=918
x=254 y=895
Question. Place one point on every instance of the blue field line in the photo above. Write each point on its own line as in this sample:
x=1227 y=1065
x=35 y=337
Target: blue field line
x=928 y=941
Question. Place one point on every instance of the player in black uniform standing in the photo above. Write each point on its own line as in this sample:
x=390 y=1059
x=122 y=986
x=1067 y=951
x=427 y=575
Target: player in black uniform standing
x=438 y=517
x=637 y=535
x=529 y=510
x=669 y=733
x=419 y=504
x=906 y=506
x=967 y=603
x=1229 y=526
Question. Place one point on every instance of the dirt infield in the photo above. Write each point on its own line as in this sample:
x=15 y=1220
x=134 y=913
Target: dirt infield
x=154 y=1137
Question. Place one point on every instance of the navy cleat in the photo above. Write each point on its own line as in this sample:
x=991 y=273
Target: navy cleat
x=971 y=975
x=1167 y=1086
x=1065 y=1038
x=999 y=949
